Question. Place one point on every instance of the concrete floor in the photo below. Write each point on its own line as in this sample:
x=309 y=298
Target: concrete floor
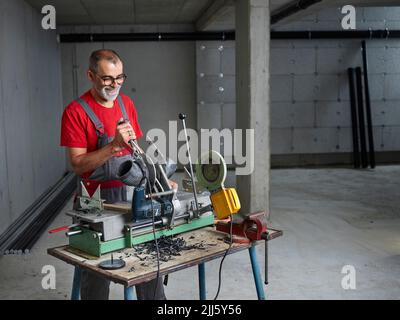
x=330 y=218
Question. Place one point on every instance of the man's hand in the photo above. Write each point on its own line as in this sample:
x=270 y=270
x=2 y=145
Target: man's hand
x=123 y=133
x=173 y=185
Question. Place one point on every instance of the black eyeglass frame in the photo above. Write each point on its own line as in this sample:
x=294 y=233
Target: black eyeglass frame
x=112 y=79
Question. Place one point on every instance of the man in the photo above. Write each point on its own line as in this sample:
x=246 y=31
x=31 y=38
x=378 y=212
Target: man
x=95 y=140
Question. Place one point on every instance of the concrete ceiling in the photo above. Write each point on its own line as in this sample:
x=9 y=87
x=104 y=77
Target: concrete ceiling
x=104 y=12
x=204 y=14
x=324 y=4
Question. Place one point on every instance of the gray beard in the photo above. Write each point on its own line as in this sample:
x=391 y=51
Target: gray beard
x=103 y=92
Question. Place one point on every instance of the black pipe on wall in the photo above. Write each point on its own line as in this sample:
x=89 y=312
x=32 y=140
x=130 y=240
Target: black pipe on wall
x=345 y=34
x=361 y=118
x=159 y=36
x=229 y=35
x=354 y=121
x=368 y=107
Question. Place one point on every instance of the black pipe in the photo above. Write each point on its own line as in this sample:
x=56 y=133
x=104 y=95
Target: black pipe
x=361 y=119
x=368 y=107
x=346 y=34
x=229 y=35
x=291 y=9
x=354 y=122
x=158 y=36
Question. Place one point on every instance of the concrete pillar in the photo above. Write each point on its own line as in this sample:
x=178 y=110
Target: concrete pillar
x=252 y=98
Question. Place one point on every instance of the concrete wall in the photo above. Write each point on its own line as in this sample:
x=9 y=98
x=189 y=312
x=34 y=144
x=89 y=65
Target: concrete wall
x=310 y=109
x=309 y=85
x=215 y=70
x=161 y=75
x=30 y=108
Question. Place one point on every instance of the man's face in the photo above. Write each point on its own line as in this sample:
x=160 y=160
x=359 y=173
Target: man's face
x=108 y=79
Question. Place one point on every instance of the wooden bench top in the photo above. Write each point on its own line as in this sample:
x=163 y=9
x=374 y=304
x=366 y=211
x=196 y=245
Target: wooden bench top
x=141 y=268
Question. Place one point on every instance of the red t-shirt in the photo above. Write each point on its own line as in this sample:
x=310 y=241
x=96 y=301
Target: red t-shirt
x=78 y=131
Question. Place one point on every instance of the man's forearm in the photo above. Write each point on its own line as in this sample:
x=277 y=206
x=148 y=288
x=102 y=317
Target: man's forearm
x=92 y=160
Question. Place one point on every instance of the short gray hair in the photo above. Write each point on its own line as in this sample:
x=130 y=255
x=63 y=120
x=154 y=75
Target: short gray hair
x=102 y=54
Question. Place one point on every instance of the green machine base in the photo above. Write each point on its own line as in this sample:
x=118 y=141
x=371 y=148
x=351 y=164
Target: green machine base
x=89 y=242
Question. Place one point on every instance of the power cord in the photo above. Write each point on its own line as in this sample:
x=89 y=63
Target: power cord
x=157 y=249
x=154 y=229
x=223 y=258
x=135 y=147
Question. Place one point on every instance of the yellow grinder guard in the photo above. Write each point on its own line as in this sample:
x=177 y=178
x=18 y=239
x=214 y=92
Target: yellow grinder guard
x=225 y=202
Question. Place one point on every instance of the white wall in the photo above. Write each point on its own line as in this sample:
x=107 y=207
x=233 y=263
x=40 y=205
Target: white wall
x=30 y=109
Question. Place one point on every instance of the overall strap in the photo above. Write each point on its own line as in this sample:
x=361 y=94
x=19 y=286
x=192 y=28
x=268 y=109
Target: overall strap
x=92 y=116
x=122 y=107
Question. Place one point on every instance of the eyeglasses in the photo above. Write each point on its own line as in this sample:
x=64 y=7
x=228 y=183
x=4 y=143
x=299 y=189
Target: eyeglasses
x=108 y=80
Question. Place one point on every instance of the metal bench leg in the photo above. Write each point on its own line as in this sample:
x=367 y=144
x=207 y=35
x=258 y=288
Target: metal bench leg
x=129 y=294
x=256 y=273
x=202 y=281
x=76 y=284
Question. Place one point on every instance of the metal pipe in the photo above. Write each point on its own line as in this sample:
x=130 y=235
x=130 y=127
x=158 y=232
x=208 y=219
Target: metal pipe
x=354 y=122
x=361 y=118
x=345 y=34
x=164 y=178
x=265 y=237
x=32 y=231
x=160 y=168
x=368 y=107
x=72 y=233
x=50 y=212
x=290 y=9
x=183 y=117
x=155 y=36
x=266 y=262
x=230 y=35
x=148 y=224
x=160 y=194
x=29 y=229
x=141 y=225
x=256 y=272
x=17 y=229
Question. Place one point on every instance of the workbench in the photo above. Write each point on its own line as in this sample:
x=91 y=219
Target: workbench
x=139 y=269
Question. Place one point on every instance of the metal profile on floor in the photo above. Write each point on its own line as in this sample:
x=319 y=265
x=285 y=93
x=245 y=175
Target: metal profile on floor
x=23 y=233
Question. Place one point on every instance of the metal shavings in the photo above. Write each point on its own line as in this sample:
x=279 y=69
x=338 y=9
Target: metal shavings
x=169 y=248
x=131 y=269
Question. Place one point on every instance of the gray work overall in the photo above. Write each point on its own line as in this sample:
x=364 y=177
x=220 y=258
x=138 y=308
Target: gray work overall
x=92 y=286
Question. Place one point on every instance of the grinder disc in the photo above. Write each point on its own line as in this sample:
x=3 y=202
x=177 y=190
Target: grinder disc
x=211 y=170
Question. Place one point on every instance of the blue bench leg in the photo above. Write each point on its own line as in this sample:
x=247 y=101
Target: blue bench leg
x=129 y=294
x=76 y=284
x=256 y=273
x=202 y=281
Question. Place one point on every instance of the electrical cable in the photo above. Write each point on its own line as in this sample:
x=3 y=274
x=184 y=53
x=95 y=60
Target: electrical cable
x=223 y=258
x=154 y=230
x=133 y=144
